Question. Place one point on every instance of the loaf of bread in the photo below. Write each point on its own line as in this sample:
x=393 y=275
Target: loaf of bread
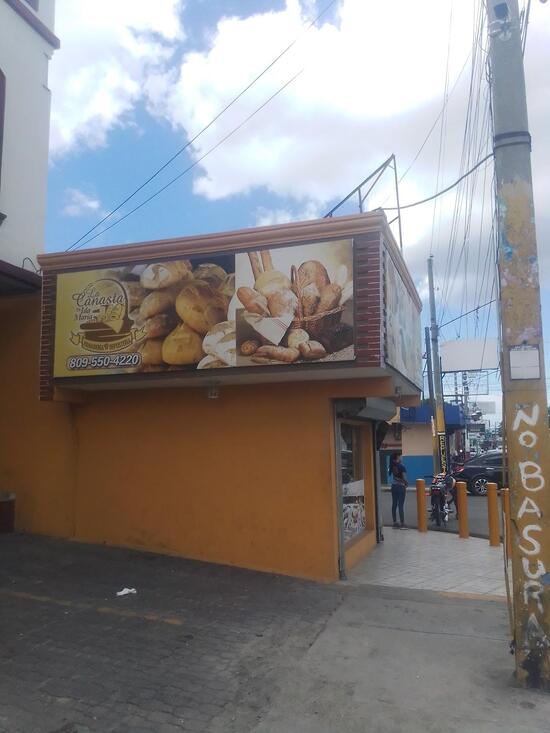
x=253 y=301
x=282 y=302
x=313 y=272
x=271 y=282
x=330 y=298
x=276 y=353
x=163 y=274
x=200 y=306
x=182 y=346
x=310 y=299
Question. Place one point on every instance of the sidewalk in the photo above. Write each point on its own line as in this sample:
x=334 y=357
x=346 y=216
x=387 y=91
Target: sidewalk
x=436 y=561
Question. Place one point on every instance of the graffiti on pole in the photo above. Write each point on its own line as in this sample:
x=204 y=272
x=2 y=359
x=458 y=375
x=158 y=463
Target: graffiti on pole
x=528 y=517
x=442 y=445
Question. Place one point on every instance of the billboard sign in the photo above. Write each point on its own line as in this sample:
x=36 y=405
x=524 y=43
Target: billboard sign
x=403 y=337
x=469 y=355
x=283 y=306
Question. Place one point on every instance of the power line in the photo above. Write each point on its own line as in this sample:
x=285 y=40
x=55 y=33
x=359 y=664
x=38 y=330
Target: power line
x=206 y=127
x=468 y=313
x=445 y=190
x=195 y=163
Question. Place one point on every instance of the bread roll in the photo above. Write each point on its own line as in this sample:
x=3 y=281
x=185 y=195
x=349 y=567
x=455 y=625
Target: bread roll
x=311 y=350
x=159 y=325
x=295 y=337
x=200 y=306
x=330 y=298
x=135 y=293
x=271 y=282
x=156 y=302
x=151 y=351
x=313 y=272
x=182 y=346
x=163 y=274
x=213 y=274
x=282 y=302
x=249 y=347
x=253 y=301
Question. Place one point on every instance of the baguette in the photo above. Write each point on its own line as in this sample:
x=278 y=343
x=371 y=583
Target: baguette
x=253 y=301
x=276 y=353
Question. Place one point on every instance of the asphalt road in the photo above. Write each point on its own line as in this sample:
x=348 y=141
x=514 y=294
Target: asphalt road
x=477 y=513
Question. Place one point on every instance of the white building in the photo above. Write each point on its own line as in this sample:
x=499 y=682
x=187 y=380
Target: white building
x=27 y=42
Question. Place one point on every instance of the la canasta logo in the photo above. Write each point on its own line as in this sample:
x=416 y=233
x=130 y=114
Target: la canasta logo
x=102 y=314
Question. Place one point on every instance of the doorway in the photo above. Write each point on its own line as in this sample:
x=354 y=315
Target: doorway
x=356 y=491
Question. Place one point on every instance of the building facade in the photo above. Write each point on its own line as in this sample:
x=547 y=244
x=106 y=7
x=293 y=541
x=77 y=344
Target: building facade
x=27 y=42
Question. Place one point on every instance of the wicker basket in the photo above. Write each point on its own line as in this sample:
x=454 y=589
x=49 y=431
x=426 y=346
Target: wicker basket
x=318 y=323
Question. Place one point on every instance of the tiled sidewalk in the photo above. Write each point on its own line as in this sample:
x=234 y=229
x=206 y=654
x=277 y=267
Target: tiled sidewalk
x=433 y=561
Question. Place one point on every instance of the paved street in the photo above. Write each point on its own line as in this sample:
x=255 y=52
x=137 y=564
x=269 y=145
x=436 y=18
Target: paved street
x=477 y=513
x=208 y=648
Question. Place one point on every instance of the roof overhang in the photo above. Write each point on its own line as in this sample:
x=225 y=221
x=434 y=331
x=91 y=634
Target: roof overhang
x=18 y=281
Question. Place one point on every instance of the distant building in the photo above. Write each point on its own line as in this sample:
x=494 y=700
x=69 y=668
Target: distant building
x=416 y=437
x=27 y=42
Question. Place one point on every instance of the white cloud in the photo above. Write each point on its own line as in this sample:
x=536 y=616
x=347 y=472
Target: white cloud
x=78 y=203
x=108 y=50
x=267 y=217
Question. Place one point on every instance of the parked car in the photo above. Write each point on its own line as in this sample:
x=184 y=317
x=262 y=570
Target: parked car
x=481 y=470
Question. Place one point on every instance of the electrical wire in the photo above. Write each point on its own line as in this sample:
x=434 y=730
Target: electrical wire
x=194 y=164
x=207 y=126
x=445 y=190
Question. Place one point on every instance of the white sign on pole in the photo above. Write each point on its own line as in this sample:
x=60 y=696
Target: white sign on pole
x=469 y=355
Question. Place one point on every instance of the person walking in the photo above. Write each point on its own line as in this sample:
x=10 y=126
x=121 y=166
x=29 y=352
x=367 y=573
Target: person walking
x=398 y=474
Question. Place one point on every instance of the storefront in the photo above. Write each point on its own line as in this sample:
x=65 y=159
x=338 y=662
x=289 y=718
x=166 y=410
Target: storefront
x=221 y=394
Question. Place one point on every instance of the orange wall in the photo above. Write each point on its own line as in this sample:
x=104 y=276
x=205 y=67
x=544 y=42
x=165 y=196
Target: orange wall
x=37 y=440
x=247 y=479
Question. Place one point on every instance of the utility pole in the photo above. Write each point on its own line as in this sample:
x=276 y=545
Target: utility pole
x=522 y=366
x=435 y=449
x=441 y=466
x=466 y=393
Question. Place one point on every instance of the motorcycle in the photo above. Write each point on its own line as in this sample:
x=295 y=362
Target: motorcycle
x=441 y=496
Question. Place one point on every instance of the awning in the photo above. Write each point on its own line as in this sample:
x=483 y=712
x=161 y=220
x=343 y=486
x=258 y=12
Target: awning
x=18 y=281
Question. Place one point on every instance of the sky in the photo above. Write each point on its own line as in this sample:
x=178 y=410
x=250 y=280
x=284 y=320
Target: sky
x=134 y=81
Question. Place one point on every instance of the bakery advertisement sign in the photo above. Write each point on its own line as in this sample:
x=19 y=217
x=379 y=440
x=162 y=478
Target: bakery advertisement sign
x=284 y=306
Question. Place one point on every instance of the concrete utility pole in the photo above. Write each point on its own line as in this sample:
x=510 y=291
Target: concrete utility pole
x=442 y=465
x=523 y=376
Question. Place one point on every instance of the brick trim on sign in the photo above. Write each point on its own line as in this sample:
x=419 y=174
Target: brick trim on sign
x=47 y=334
x=367 y=293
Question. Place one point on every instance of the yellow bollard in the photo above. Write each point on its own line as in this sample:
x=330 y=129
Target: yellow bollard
x=462 y=509
x=492 y=514
x=421 y=505
x=505 y=495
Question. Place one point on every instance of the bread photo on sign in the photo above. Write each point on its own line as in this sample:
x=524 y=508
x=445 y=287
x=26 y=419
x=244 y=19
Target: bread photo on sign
x=293 y=314
x=181 y=309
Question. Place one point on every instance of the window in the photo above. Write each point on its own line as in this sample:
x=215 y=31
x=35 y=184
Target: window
x=2 y=110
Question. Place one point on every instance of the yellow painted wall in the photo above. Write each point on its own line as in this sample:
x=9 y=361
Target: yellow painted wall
x=247 y=479
x=37 y=440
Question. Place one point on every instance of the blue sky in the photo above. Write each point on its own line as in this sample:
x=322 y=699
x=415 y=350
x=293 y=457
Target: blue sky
x=129 y=88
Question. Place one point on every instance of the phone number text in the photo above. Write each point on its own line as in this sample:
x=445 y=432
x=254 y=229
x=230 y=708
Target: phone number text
x=113 y=361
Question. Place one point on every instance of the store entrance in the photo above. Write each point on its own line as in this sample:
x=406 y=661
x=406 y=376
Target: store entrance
x=356 y=490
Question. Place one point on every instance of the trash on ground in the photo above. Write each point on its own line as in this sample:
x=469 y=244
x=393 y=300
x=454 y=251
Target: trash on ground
x=126 y=591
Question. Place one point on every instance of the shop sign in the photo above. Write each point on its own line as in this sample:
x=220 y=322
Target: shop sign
x=278 y=307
